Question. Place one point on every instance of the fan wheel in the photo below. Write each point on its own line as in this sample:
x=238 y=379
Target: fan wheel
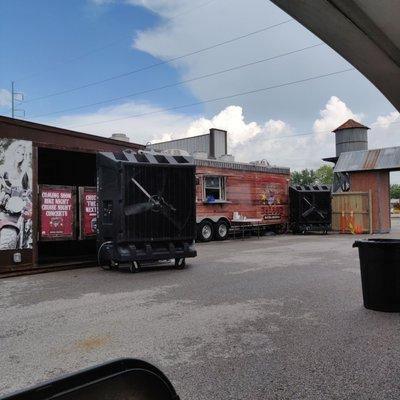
x=135 y=267
x=180 y=263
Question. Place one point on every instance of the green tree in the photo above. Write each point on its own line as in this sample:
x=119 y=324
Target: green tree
x=304 y=177
x=324 y=175
x=395 y=191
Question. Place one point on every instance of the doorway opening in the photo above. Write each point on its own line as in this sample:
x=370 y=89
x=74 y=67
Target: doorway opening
x=72 y=169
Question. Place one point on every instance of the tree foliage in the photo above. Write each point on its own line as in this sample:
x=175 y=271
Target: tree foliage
x=395 y=191
x=322 y=176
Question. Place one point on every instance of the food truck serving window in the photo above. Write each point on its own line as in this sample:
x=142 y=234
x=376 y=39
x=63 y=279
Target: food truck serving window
x=214 y=188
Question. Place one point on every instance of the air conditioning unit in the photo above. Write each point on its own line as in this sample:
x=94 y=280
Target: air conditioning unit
x=146 y=208
x=262 y=163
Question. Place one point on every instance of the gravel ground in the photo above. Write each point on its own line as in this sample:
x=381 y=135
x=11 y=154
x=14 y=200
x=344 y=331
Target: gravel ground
x=279 y=317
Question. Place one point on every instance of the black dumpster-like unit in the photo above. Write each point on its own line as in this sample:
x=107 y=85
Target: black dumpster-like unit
x=146 y=208
x=310 y=208
x=380 y=273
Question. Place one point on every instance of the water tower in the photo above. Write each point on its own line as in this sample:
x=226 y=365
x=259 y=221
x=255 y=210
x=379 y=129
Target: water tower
x=351 y=136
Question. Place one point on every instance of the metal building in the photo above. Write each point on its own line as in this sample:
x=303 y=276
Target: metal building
x=361 y=180
x=212 y=145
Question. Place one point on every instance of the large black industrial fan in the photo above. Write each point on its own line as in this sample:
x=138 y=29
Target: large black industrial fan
x=146 y=207
x=155 y=203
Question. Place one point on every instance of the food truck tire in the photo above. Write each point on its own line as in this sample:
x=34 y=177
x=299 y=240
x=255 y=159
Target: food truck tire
x=221 y=230
x=205 y=230
x=8 y=238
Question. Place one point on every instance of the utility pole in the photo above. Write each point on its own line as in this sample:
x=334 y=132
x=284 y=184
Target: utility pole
x=15 y=100
x=12 y=100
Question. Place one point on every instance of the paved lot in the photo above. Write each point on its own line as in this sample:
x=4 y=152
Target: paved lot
x=275 y=318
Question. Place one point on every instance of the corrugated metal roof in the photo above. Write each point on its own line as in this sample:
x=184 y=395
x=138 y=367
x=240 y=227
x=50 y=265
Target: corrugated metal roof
x=241 y=166
x=369 y=160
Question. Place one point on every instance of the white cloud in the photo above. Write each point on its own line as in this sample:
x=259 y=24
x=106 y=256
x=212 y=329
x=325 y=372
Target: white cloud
x=385 y=131
x=219 y=21
x=165 y=8
x=384 y=121
x=5 y=98
x=157 y=124
x=333 y=115
x=248 y=140
x=275 y=139
x=102 y=2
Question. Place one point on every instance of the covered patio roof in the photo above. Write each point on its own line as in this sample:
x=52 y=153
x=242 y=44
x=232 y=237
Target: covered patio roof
x=365 y=32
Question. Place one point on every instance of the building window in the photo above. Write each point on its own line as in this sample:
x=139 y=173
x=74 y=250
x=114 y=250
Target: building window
x=214 y=188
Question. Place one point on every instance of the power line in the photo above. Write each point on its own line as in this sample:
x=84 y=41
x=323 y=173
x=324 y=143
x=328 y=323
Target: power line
x=70 y=60
x=220 y=98
x=100 y=48
x=201 y=5
x=317 y=132
x=181 y=82
x=150 y=66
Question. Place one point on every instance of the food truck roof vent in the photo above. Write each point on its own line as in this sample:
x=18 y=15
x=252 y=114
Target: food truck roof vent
x=120 y=136
x=227 y=158
x=200 y=155
x=175 y=152
x=262 y=162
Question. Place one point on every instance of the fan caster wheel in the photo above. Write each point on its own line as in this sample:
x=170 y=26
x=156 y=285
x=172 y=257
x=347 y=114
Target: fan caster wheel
x=112 y=265
x=135 y=267
x=180 y=263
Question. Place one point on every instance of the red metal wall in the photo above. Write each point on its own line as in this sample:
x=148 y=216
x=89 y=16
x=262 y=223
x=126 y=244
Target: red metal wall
x=247 y=192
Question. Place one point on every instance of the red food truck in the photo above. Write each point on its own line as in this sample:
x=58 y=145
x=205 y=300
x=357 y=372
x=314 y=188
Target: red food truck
x=234 y=197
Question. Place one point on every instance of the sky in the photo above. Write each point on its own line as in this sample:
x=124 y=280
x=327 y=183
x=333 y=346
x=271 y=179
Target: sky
x=157 y=70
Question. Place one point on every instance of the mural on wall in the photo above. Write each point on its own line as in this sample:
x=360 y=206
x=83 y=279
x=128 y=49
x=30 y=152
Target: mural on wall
x=272 y=199
x=15 y=194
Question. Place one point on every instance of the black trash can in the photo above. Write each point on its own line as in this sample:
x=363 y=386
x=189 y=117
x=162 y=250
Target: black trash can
x=380 y=273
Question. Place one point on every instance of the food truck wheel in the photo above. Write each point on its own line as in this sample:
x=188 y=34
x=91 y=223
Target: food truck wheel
x=205 y=231
x=221 y=230
x=135 y=266
x=8 y=238
x=180 y=263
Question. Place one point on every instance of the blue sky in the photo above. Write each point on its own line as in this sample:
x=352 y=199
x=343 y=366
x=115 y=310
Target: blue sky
x=51 y=33
x=48 y=46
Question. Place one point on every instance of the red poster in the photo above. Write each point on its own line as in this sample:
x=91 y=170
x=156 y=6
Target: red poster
x=57 y=212
x=88 y=206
